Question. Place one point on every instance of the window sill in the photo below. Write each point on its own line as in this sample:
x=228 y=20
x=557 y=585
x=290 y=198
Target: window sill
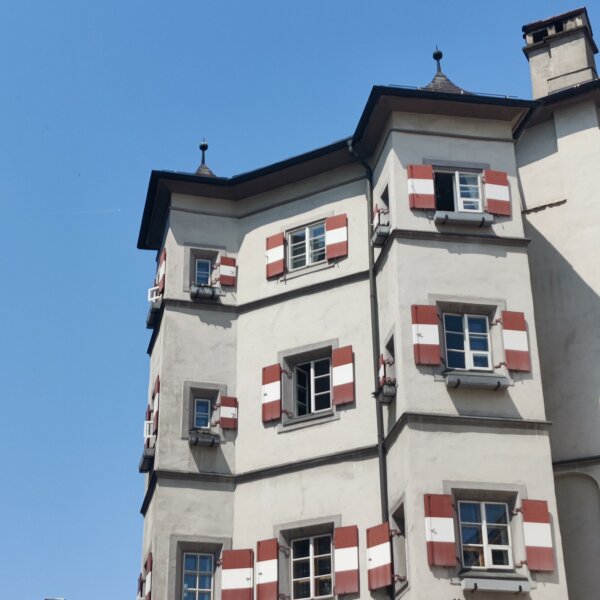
x=205 y=292
x=443 y=217
x=494 y=581
x=199 y=437
x=293 y=423
x=306 y=270
x=474 y=380
x=147 y=460
x=380 y=234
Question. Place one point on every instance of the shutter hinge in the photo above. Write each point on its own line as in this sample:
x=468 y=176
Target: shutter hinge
x=398 y=578
x=285 y=550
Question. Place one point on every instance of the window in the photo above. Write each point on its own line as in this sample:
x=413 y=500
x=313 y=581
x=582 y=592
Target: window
x=306 y=246
x=312 y=567
x=458 y=191
x=197 y=576
x=202 y=409
x=485 y=535
x=312 y=382
x=203 y=271
x=467 y=340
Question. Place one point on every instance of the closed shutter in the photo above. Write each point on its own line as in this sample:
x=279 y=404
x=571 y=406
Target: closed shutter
x=342 y=363
x=267 y=570
x=271 y=393
x=227 y=271
x=538 y=535
x=379 y=556
x=237 y=575
x=426 y=335
x=345 y=559
x=439 y=530
x=228 y=412
x=148 y=577
x=275 y=255
x=421 y=193
x=497 y=193
x=516 y=345
x=336 y=236
x=162 y=270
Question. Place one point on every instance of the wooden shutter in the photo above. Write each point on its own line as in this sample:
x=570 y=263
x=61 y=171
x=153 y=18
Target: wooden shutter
x=538 y=535
x=421 y=193
x=237 y=577
x=345 y=559
x=439 y=530
x=379 y=556
x=336 y=236
x=148 y=577
x=267 y=570
x=227 y=271
x=161 y=273
x=497 y=192
x=271 y=393
x=228 y=412
x=275 y=255
x=342 y=367
x=426 y=335
x=516 y=344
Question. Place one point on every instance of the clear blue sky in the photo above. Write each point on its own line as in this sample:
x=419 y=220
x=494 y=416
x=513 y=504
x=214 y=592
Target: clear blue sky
x=93 y=96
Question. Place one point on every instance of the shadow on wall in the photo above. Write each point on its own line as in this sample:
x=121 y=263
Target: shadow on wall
x=569 y=345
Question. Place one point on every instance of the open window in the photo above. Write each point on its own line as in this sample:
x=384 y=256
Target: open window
x=312 y=387
x=458 y=191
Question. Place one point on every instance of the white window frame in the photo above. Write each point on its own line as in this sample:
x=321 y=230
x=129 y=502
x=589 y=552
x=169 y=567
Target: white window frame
x=309 y=261
x=198 y=399
x=469 y=363
x=459 y=201
x=311 y=558
x=198 y=590
x=487 y=548
x=203 y=260
x=313 y=394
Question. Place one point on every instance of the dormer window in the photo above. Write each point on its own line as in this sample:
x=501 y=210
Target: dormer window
x=458 y=191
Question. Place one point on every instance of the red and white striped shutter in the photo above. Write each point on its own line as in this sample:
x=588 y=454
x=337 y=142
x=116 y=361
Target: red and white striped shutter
x=227 y=271
x=379 y=556
x=336 y=236
x=342 y=367
x=162 y=270
x=275 y=255
x=148 y=577
x=271 y=393
x=538 y=535
x=516 y=345
x=426 y=335
x=237 y=577
x=267 y=570
x=439 y=530
x=140 y=586
x=228 y=412
x=421 y=192
x=155 y=403
x=345 y=559
x=497 y=192
x=382 y=370
x=376 y=217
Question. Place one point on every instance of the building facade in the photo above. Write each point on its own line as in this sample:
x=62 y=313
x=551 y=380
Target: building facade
x=346 y=396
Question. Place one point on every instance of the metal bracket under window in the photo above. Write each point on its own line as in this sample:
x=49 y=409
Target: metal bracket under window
x=285 y=550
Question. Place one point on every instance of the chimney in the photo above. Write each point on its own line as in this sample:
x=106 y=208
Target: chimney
x=560 y=51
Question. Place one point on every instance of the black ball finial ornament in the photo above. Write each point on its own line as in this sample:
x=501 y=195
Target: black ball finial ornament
x=437 y=56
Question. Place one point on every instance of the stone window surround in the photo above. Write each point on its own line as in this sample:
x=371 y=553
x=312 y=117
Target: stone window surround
x=178 y=544
x=287 y=532
x=190 y=253
x=192 y=389
x=288 y=359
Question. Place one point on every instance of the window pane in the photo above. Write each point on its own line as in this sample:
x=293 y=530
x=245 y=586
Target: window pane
x=471 y=534
x=500 y=557
x=190 y=562
x=323 y=565
x=297 y=236
x=206 y=563
x=202 y=271
x=473 y=557
x=322 y=401
x=301 y=569
x=189 y=582
x=477 y=324
x=469 y=512
x=322 y=385
x=323 y=586
x=480 y=361
x=322 y=367
x=455 y=341
x=301 y=548
x=301 y=589
x=189 y=596
x=496 y=513
x=478 y=343
x=204 y=596
x=205 y=582
x=453 y=323
x=456 y=360
x=497 y=536
x=317 y=229
x=323 y=545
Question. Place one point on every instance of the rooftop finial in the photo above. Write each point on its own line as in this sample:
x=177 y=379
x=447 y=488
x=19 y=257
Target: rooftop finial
x=437 y=56
x=203 y=169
